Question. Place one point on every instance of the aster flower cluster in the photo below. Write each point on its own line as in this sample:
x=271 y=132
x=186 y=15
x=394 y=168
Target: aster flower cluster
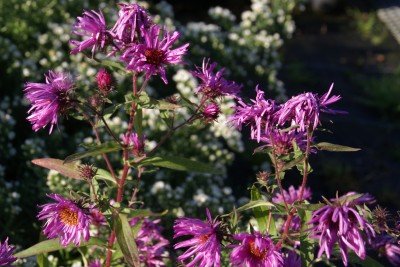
x=204 y=248
x=279 y=126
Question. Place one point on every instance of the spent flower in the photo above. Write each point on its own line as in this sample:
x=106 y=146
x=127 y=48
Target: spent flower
x=65 y=219
x=48 y=99
x=92 y=27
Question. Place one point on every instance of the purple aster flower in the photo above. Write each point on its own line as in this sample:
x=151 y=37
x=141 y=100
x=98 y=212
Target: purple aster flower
x=304 y=109
x=66 y=220
x=92 y=27
x=134 y=142
x=282 y=142
x=95 y=263
x=132 y=18
x=152 y=54
x=354 y=198
x=211 y=112
x=6 y=256
x=291 y=259
x=204 y=246
x=260 y=115
x=48 y=99
x=341 y=223
x=214 y=85
x=292 y=195
x=386 y=246
x=255 y=250
x=151 y=244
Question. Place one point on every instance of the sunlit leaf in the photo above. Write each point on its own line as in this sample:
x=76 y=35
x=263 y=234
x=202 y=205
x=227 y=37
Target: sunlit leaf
x=261 y=213
x=335 y=148
x=54 y=245
x=179 y=164
x=66 y=169
x=93 y=151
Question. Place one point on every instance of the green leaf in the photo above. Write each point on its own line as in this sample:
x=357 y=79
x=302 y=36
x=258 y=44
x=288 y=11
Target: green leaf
x=114 y=66
x=42 y=261
x=261 y=213
x=137 y=213
x=66 y=169
x=138 y=122
x=95 y=150
x=306 y=250
x=109 y=111
x=178 y=163
x=165 y=115
x=95 y=187
x=353 y=258
x=54 y=245
x=335 y=148
x=126 y=241
x=293 y=163
x=254 y=204
x=145 y=101
x=104 y=175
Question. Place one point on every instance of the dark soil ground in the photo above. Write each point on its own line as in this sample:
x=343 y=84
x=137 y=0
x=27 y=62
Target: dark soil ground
x=328 y=49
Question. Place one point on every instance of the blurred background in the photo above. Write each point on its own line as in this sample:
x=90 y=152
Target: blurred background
x=286 y=46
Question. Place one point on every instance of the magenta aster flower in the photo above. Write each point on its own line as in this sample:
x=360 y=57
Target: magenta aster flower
x=255 y=250
x=6 y=256
x=131 y=19
x=386 y=246
x=212 y=84
x=340 y=223
x=134 y=142
x=92 y=27
x=66 y=220
x=48 y=99
x=291 y=259
x=260 y=115
x=211 y=112
x=95 y=263
x=151 y=244
x=292 y=195
x=282 y=142
x=204 y=246
x=152 y=54
x=304 y=109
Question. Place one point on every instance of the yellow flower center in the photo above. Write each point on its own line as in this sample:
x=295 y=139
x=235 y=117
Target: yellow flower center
x=69 y=217
x=256 y=252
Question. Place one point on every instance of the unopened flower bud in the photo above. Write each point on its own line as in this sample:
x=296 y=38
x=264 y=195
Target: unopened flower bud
x=94 y=101
x=211 y=112
x=105 y=82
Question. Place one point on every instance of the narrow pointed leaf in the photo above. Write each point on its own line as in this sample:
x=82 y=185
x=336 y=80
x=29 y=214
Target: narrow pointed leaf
x=261 y=213
x=254 y=204
x=93 y=151
x=104 y=175
x=66 y=169
x=179 y=164
x=54 y=245
x=126 y=241
x=335 y=148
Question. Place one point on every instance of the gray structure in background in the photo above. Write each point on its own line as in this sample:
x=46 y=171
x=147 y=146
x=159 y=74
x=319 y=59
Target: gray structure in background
x=389 y=13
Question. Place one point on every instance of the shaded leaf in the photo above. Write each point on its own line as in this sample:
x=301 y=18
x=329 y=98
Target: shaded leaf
x=254 y=204
x=104 y=175
x=335 y=148
x=145 y=101
x=126 y=241
x=261 y=213
x=179 y=164
x=113 y=65
x=306 y=250
x=93 y=151
x=66 y=169
x=54 y=245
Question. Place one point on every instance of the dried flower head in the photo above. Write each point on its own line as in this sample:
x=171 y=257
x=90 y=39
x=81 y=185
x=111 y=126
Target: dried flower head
x=48 y=99
x=132 y=18
x=6 y=256
x=66 y=220
x=152 y=54
x=204 y=246
x=380 y=215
